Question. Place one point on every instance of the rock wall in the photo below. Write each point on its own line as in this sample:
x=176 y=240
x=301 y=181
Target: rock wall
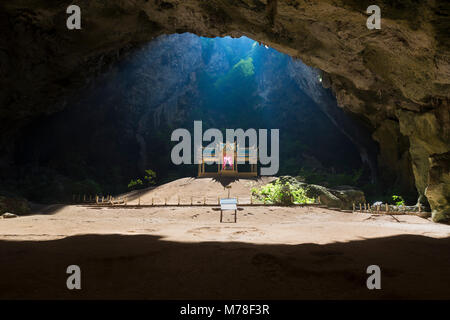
x=395 y=79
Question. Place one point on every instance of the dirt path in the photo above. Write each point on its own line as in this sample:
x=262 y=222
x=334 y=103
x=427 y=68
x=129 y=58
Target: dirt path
x=199 y=190
x=184 y=252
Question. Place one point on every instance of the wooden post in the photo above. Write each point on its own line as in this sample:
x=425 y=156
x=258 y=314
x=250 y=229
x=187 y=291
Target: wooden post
x=204 y=200
x=420 y=208
x=378 y=208
x=218 y=200
x=96 y=199
x=191 y=200
x=165 y=201
x=360 y=208
x=152 y=201
x=251 y=199
x=139 y=201
x=354 y=207
x=178 y=200
x=387 y=207
x=126 y=200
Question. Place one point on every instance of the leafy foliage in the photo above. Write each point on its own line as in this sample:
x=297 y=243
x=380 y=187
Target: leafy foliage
x=282 y=193
x=398 y=200
x=135 y=183
x=149 y=178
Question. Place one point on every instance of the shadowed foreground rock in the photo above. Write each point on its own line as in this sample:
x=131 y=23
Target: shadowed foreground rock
x=147 y=267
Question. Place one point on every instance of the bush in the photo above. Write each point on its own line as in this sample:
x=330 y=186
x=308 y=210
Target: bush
x=398 y=200
x=134 y=184
x=281 y=193
x=149 y=178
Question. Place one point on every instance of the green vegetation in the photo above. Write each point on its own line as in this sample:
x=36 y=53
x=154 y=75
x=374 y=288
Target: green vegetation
x=149 y=179
x=282 y=193
x=240 y=71
x=134 y=184
x=398 y=200
x=245 y=67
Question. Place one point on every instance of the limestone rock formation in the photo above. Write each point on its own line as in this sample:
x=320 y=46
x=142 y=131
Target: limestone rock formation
x=438 y=189
x=8 y=215
x=397 y=75
x=342 y=197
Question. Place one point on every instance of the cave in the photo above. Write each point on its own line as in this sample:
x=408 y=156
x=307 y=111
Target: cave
x=44 y=65
x=88 y=111
x=125 y=118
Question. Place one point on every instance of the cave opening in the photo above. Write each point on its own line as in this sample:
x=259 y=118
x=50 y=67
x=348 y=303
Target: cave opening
x=120 y=124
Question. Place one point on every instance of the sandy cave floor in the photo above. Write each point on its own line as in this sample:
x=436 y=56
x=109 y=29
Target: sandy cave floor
x=186 y=253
